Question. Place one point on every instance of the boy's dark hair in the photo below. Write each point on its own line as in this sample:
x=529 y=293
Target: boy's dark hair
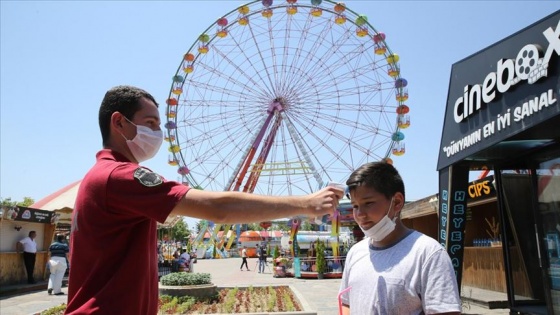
x=381 y=176
x=60 y=238
x=123 y=99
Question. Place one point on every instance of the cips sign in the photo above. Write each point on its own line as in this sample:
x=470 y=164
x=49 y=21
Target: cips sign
x=482 y=188
x=530 y=65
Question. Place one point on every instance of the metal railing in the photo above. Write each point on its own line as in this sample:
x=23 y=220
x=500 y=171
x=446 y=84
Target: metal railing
x=164 y=268
x=335 y=266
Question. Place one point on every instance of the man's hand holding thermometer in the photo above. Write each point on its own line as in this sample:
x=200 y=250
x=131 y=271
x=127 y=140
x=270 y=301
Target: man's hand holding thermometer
x=321 y=220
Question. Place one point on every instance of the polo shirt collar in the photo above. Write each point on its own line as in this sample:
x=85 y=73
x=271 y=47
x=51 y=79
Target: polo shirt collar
x=108 y=154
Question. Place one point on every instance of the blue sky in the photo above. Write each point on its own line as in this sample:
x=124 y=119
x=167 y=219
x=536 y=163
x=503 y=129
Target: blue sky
x=58 y=58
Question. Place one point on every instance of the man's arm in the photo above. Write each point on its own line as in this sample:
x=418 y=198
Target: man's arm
x=235 y=207
x=345 y=309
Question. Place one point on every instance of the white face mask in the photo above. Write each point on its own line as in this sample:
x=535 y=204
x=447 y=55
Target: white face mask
x=383 y=228
x=146 y=143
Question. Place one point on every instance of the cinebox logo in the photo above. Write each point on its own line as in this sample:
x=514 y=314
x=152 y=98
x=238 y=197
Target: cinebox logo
x=528 y=65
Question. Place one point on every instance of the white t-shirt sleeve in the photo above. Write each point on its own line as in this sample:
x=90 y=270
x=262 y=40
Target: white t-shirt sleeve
x=439 y=288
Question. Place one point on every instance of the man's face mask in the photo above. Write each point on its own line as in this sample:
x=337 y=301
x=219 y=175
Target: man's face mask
x=145 y=144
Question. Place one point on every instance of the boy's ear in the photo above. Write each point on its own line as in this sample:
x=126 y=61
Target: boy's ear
x=399 y=201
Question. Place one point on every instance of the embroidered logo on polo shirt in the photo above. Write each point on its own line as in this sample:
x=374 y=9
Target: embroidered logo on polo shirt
x=147 y=177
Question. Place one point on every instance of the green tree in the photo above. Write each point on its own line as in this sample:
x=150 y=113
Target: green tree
x=280 y=226
x=320 y=261
x=27 y=201
x=7 y=202
x=180 y=231
x=254 y=227
x=306 y=226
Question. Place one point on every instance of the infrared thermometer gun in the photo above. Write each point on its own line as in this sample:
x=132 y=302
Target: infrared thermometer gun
x=319 y=220
x=337 y=185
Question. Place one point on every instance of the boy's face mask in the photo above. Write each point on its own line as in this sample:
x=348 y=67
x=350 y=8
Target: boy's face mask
x=379 y=231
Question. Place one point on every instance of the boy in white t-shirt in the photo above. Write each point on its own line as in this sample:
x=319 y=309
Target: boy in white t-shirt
x=394 y=269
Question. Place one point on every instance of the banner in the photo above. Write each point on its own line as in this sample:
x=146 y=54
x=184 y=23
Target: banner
x=17 y=213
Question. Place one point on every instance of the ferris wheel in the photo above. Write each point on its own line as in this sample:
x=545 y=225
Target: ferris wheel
x=282 y=97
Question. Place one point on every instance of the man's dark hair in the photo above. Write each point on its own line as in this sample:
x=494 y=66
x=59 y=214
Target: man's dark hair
x=123 y=99
x=60 y=238
x=31 y=233
x=381 y=176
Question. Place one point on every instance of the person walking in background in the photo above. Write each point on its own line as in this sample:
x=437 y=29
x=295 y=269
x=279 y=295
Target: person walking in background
x=29 y=248
x=57 y=264
x=394 y=269
x=119 y=202
x=261 y=252
x=244 y=259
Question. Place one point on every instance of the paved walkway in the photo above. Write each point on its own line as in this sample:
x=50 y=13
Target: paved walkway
x=316 y=295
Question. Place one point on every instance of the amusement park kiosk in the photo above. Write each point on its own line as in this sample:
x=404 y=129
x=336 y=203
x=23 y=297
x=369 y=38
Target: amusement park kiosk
x=15 y=224
x=502 y=115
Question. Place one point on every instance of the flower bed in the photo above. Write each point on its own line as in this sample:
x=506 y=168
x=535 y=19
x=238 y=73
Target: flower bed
x=194 y=293
x=234 y=300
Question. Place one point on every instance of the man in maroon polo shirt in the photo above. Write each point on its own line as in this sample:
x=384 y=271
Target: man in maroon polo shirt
x=114 y=267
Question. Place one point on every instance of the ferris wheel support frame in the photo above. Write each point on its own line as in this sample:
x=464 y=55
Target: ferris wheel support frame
x=240 y=175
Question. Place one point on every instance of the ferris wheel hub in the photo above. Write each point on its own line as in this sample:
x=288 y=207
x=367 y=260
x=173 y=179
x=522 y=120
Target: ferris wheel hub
x=279 y=104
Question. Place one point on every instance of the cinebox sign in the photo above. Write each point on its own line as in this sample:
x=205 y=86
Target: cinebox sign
x=502 y=90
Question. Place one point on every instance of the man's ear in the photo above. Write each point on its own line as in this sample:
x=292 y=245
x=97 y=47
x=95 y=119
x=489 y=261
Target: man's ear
x=117 y=121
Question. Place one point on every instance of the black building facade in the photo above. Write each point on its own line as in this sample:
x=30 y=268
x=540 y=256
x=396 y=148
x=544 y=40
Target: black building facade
x=503 y=114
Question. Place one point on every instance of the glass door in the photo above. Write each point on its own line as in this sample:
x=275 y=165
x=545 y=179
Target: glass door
x=529 y=202
x=520 y=234
x=548 y=199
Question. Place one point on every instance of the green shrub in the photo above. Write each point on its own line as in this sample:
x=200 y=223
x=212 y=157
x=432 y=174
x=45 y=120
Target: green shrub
x=320 y=261
x=186 y=299
x=288 y=301
x=56 y=310
x=164 y=298
x=169 y=306
x=184 y=307
x=185 y=278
